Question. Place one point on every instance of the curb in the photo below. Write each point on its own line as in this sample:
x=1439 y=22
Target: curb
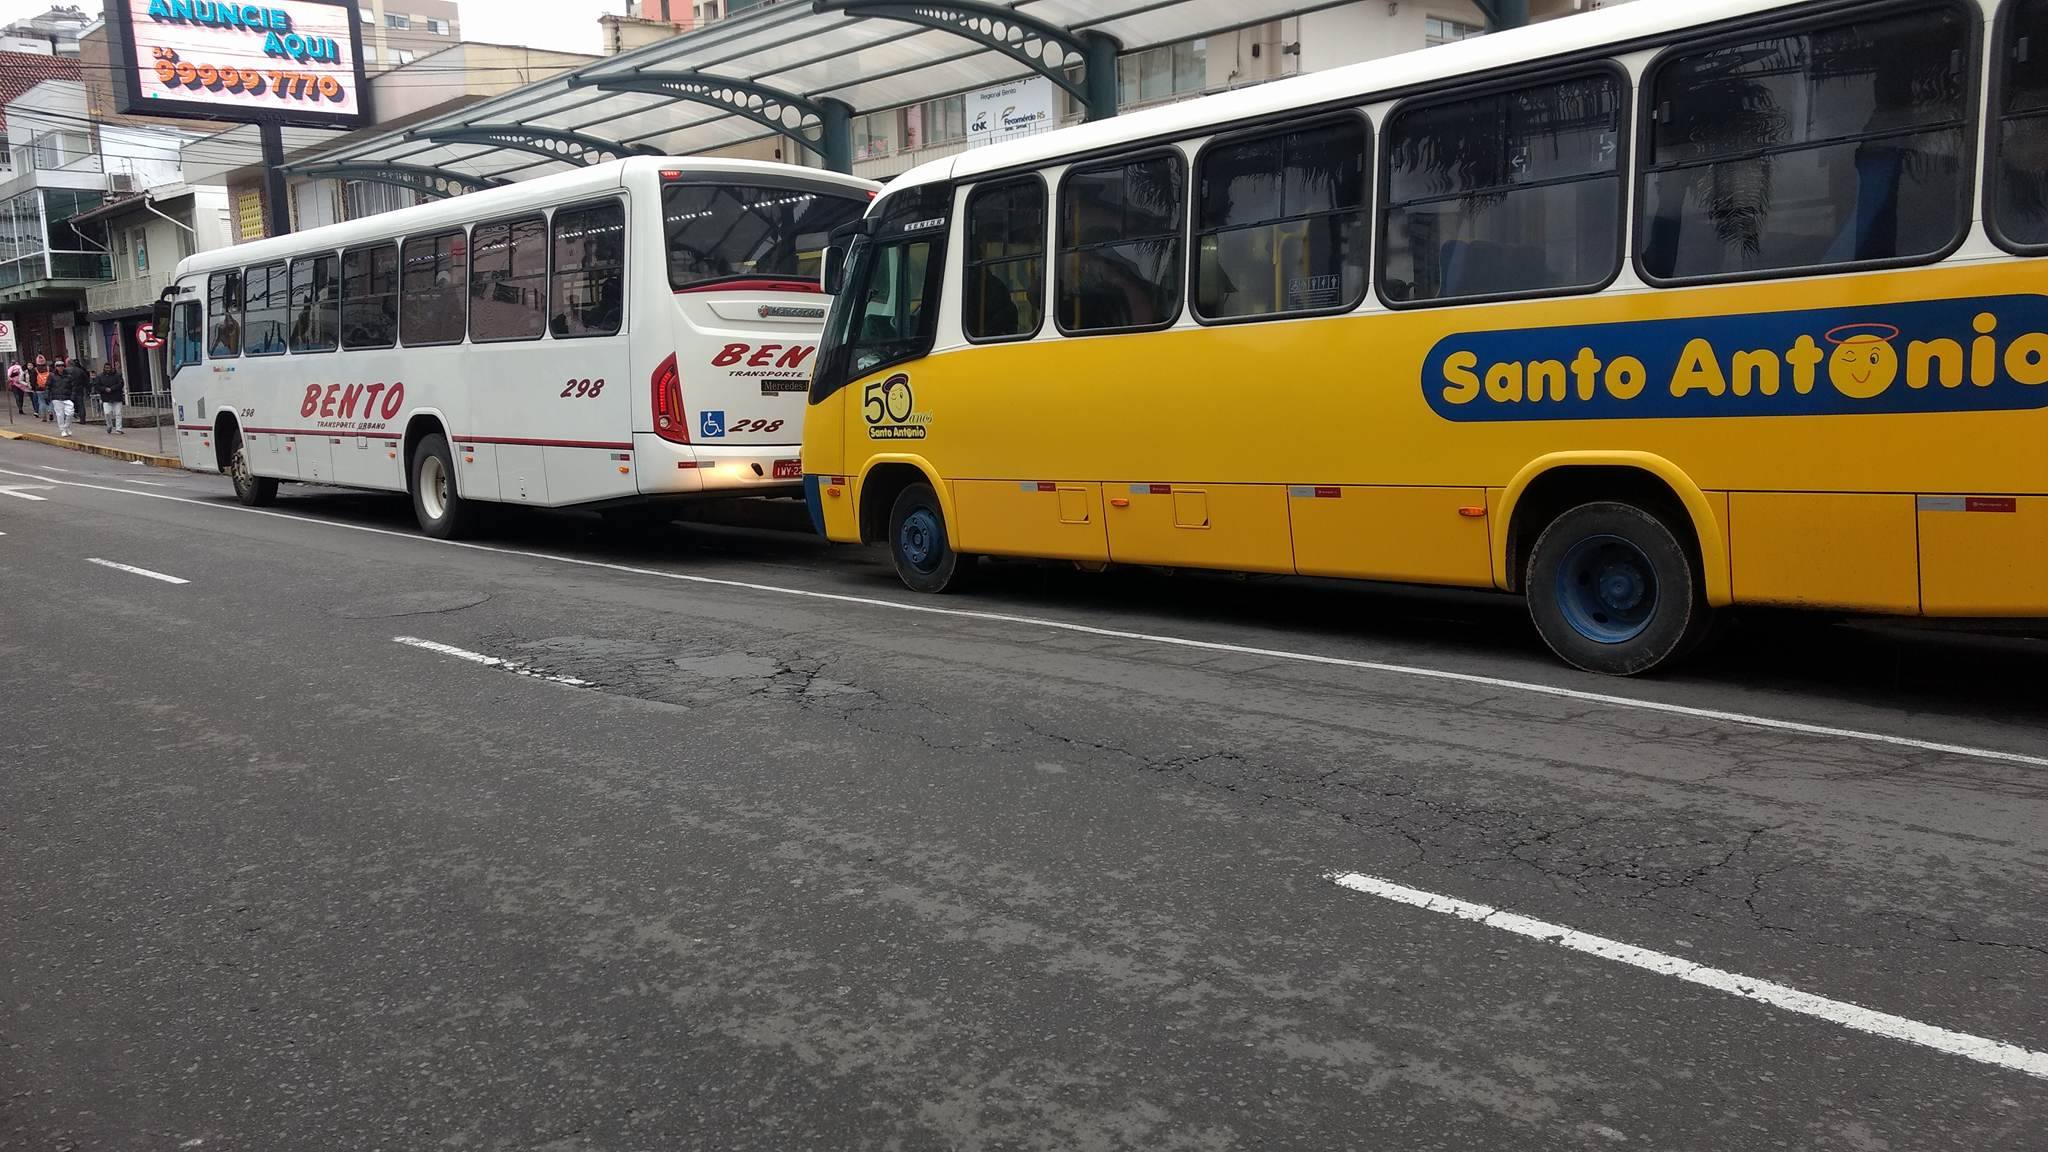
x=148 y=458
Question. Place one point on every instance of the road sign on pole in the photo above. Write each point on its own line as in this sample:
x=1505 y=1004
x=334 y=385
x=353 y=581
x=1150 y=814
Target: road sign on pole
x=6 y=336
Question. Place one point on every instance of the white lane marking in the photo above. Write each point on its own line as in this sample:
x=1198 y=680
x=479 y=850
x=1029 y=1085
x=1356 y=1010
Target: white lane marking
x=130 y=568
x=512 y=666
x=1409 y=670
x=1978 y=1048
x=20 y=491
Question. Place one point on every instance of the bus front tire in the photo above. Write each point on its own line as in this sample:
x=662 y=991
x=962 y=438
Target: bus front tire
x=251 y=489
x=1612 y=589
x=919 y=545
x=441 y=510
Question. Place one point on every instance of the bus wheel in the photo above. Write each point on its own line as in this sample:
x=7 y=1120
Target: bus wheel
x=250 y=489
x=917 y=543
x=442 y=512
x=1612 y=590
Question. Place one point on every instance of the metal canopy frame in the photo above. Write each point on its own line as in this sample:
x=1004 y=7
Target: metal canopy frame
x=425 y=181
x=825 y=64
x=553 y=143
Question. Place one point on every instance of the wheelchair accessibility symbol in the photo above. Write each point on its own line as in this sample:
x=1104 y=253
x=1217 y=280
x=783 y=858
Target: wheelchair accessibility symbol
x=711 y=423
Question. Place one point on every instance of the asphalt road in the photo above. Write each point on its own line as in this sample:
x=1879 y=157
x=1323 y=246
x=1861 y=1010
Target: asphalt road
x=736 y=851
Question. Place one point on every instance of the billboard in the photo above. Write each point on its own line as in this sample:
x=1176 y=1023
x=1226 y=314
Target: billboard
x=1018 y=108
x=287 y=61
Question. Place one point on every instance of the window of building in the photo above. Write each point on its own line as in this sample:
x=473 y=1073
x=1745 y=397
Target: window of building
x=403 y=55
x=1438 y=30
x=264 y=291
x=360 y=198
x=224 y=315
x=1280 y=222
x=871 y=135
x=316 y=303
x=1841 y=145
x=1167 y=72
x=433 y=271
x=1120 y=244
x=369 y=297
x=587 y=294
x=437 y=26
x=740 y=231
x=141 y=248
x=2019 y=172
x=398 y=21
x=1005 y=295
x=1510 y=192
x=508 y=279
x=941 y=121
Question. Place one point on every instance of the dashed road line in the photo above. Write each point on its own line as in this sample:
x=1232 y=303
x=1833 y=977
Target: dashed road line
x=513 y=666
x=132 y=569
x=1411 y=671
x=1855 y=1016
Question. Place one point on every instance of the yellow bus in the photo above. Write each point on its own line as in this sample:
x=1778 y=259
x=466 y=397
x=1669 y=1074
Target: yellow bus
x=1639 y=314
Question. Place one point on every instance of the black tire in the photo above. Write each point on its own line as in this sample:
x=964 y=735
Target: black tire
x=439 y=507
x=251 y=489
x=919 y=546
x=1612 y=589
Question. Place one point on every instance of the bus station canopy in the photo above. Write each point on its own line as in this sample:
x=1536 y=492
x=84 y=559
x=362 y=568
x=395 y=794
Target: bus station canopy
x=795 y=69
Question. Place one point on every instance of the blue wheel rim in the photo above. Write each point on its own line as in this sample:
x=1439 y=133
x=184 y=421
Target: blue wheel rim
x=920 y=540
x=1607 y=589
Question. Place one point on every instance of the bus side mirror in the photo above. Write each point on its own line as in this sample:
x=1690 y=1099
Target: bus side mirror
x=833 y=276
x=160 y=319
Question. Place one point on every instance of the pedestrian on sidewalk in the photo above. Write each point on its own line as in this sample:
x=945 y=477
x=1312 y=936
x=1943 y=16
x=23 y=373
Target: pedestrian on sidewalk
x=17 y=384
x=68 y=386
x=107 y=385
x=39 y=386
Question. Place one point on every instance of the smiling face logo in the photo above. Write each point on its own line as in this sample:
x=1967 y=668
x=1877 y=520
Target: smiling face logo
x=1864 y=363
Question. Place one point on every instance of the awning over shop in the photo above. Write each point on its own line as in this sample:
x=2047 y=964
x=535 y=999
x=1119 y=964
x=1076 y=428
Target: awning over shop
x=792 y=69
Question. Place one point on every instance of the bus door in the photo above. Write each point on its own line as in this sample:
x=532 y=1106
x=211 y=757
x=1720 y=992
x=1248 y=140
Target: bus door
x=180 y=320
x=744 y=260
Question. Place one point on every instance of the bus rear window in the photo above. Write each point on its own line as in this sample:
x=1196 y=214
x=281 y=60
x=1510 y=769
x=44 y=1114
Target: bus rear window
x=744 y=232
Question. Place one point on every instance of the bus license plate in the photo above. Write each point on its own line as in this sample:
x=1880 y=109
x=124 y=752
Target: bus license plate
x=789 y=469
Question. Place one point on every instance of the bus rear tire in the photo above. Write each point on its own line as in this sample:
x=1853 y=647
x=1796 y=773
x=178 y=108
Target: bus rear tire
x=920 y=547
x=1612 y=589
x=252 y=490
x=440 y=509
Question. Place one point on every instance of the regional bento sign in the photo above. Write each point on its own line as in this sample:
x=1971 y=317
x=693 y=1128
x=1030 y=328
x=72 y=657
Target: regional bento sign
x=299 y=61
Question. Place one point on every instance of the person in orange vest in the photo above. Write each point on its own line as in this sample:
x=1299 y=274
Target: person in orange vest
x=39 y=381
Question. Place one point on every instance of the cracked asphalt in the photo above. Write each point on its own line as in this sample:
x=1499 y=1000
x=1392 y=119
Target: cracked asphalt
x=802 y=872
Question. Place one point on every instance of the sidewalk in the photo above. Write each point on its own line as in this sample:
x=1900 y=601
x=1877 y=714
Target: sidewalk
x=139 y=444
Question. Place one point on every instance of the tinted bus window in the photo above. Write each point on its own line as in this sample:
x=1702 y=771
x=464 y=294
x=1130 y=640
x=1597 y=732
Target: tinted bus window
x=1120 y=245
x=316 y=303
x=588 y=293
x=223 y=315
x=1510 y=192
x=2019 y=179
x=1005 y=294
x=508 y=279
x=185 y=324
x=738 y=232
x=1280 y=223
x=1809 y=150
x=264 y=291
x=432 y=287
x=369 y=297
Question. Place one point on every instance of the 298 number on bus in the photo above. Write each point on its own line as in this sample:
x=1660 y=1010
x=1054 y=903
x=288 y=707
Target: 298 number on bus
x=582 y=388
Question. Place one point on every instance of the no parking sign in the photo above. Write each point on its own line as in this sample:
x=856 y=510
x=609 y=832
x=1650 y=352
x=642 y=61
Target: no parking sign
x=6 y=335
x=145 y=335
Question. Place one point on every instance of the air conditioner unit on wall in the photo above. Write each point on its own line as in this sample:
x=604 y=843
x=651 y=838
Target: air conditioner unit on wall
x=120 y=182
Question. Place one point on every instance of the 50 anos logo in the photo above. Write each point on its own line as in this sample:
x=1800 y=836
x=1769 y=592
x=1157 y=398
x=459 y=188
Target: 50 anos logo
x=891 y=410
x=1975 y=354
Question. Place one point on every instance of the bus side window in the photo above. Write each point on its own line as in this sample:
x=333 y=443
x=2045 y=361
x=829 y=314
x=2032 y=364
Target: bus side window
x=433 y=289
x=186 y=322
x=1120 y=264
x=224 y=315
x=508 y=279
x=264 y=309
x=315 y=303
x=1809 y=150
x=369 y=297
x=1504 y=193
x=1280 y=222
x=2019 y=177
x=1005 y=290
x=587 y=293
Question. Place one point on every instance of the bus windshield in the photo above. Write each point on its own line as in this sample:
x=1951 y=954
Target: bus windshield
x=744 y=232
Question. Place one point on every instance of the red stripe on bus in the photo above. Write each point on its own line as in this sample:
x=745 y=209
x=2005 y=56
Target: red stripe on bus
x=195 y=427
x=328 y=432
x=763 y=285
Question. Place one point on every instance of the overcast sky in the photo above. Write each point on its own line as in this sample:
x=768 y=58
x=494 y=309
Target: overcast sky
x=567 y=25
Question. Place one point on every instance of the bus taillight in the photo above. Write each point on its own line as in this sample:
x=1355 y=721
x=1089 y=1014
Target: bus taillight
x=669 y=423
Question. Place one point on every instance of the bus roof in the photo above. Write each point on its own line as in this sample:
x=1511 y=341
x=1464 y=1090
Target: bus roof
x=1358 y=83
x=491 y=202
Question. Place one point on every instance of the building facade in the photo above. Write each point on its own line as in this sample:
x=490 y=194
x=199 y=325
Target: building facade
x=398 y=32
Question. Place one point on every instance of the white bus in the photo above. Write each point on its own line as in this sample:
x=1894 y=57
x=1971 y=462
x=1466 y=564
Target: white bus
x=507 y=345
